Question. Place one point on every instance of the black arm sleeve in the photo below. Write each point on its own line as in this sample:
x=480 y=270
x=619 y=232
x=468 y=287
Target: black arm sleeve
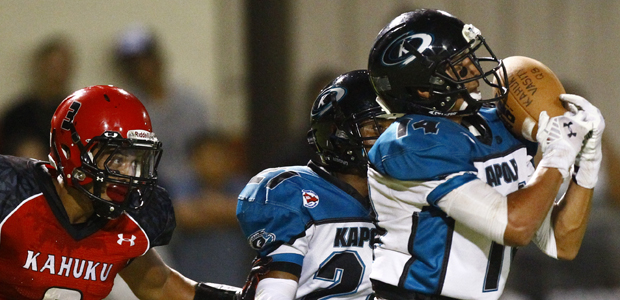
x=215 y=291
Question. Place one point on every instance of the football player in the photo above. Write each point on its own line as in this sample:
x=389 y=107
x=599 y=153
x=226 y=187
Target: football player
x=453 y=189
x=70 y=225
x=312 y=226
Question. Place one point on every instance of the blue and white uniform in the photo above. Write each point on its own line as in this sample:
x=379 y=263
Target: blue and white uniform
x=312 y=225
x=415 y=163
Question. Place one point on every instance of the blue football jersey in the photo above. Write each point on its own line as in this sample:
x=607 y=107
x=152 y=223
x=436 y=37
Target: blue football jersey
x=417 y=161
x=312 y=225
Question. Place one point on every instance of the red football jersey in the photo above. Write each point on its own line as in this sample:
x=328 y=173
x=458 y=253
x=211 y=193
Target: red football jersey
x=43 y=256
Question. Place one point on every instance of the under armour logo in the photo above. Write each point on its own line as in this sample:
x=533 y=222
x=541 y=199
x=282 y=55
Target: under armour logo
x=571 y=133
x=100 y=179
x=111 y=134
x=121 y=239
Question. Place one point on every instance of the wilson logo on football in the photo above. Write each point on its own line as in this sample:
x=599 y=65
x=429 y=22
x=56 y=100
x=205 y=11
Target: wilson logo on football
x=311 y=199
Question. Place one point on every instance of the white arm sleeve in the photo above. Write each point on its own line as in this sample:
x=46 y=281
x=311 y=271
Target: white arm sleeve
x=276 y=289
x=545 y=238
x=479 y=207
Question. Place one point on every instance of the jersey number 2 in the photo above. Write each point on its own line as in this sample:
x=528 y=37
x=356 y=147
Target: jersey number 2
x=333 y=270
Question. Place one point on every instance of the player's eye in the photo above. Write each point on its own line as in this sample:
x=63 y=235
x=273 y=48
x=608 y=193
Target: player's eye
x=116 y=162
x=463 y=72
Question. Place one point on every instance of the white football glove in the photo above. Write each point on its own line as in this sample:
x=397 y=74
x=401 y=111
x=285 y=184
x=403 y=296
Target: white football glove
x=561 y=138
x=588 y=161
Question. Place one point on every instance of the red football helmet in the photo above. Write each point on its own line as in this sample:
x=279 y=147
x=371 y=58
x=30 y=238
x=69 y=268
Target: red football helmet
x=103 y=144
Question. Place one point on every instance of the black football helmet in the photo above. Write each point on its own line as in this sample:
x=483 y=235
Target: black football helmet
x=337 y=113
x=424 y=50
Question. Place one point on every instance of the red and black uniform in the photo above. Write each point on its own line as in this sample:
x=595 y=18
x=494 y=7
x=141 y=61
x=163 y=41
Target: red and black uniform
x=44 y=256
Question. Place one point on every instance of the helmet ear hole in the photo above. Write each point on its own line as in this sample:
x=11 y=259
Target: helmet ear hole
x=311 y=137
x=66 y=151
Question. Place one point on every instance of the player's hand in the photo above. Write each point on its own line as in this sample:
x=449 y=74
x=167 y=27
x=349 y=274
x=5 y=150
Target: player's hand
x=561 y=138
x=260 y=267
x=588 y=161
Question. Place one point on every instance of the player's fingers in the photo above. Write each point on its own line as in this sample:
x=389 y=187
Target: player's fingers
x=572 y=107
x=572 y=98
x=580 y=102
x=593 y=114
x=543 y=118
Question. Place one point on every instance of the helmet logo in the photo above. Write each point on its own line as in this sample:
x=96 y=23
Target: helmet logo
x=311 y=199
x=139 y=134
x=399 y=51
x=260 y=238
x=322 y=105
x=68 y=120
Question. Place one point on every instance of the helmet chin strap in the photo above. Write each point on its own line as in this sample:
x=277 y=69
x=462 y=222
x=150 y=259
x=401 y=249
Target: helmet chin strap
x=105 y=211
x=476 y=96
x=463 y=106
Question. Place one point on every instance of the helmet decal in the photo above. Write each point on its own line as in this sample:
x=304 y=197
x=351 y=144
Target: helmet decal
x=111 y=134
x=72 y=111
x=322 y=104
x=398 y=53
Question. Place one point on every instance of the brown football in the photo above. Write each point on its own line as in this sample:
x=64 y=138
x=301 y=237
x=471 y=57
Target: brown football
x=533 y=88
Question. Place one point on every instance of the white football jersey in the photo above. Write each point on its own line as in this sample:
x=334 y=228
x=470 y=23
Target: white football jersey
x=416 y=162
x=313 y=226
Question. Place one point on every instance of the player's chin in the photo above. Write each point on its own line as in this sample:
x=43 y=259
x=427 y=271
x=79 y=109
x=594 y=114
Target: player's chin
x=368 y=144
x=473 y=86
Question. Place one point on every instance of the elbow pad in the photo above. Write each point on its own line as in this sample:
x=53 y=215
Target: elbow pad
x=479 y=207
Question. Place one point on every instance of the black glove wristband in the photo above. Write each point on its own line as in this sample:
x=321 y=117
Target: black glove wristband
x=214 y=291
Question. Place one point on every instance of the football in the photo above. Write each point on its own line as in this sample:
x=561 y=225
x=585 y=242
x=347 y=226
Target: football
x=533 y=88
